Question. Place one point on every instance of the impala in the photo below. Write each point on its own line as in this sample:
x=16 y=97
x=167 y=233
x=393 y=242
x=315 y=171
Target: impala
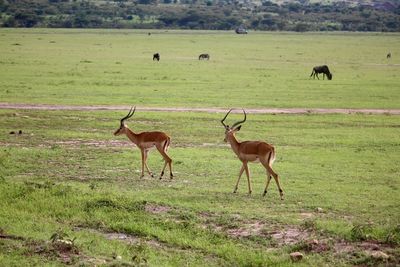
x=251 y=151
x=145 y=141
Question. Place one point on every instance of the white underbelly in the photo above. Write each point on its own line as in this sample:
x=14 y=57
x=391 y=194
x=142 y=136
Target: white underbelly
x=147 y=145
x=250 y=158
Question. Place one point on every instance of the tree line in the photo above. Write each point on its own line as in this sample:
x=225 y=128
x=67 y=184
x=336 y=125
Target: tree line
x=201 y=14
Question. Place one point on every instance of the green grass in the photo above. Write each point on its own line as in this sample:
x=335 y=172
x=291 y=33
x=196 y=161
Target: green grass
x=67 y=176
x=87 y=186
x=256 y=70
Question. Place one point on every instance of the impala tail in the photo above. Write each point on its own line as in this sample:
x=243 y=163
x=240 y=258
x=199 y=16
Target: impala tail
x=271 y=156
x=166 y=144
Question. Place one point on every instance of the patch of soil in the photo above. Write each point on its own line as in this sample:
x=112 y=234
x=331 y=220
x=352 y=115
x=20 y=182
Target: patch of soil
x=371 y=252
x=156 y=209
x=307 y=215
x=280 y=234
x=208 y=110
x=64 y=251
x=306 y=240
x=290 y=236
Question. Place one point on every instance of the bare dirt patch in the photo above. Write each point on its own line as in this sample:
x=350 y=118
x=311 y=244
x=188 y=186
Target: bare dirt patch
x=208 y=110
x=236 y=227
x=93 y=143
x=300 y=238
x=290 y=236
x=64 y=251
x=156 y=209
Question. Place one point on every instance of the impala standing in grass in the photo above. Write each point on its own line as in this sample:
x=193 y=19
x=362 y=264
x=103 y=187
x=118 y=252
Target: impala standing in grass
x=145 y=141
x=251 y=151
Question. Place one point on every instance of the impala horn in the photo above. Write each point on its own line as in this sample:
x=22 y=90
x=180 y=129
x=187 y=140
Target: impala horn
x=236 y=123
x=239 y=122
x=222 y=121
x=130 y=114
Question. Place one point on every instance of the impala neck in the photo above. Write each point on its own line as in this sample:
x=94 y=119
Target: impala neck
x=234 y=143
x=131 y=135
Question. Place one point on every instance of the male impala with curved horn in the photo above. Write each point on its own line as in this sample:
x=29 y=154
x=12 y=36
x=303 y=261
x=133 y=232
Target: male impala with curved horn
x=251 y=151
x=146 y=140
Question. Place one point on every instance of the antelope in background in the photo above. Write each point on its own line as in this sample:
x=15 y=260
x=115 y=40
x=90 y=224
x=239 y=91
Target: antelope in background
x=145 y=141
x=251 y=151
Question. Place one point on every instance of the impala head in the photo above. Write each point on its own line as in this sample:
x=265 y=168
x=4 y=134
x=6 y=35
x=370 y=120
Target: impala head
x=231 y=130
x=122 y=126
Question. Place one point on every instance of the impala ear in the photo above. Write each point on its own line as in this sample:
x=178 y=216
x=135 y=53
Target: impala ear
x=238 y=128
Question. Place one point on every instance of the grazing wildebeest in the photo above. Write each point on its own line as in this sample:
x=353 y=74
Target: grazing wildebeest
x=321 y=69
x=389 y=55
x=204 y=56
x=156 y=56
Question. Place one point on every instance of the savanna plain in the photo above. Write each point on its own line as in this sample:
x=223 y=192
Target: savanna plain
x=71 y=192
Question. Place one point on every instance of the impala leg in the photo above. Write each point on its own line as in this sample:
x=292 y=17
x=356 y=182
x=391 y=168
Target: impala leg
x=240 y=175
x=143 y=159
x=145 y=163
x=246 y=168
x=269 y=169
x=167 y=160
x=269 y=177
x=163 y=169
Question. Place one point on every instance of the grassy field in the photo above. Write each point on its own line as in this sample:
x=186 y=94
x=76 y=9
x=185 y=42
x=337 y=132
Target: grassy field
x=256 y=70
x=70 y=191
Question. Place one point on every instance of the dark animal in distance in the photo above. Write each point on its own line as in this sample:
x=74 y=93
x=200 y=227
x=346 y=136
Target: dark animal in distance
x=389 y=55
x=156 y=56
x=241 y=30
x=321 y=69
x=204 y=56
x=19 y=132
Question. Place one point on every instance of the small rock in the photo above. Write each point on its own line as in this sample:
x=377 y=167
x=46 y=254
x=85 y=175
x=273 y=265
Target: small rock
x=320 y=210
x=313 y=242
x=379 y=255
x=296 y=256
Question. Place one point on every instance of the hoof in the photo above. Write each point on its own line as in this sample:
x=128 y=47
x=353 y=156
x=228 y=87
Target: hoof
x=265 y=192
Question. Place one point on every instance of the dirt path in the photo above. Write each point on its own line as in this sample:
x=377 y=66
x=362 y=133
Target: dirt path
x=209 y=110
